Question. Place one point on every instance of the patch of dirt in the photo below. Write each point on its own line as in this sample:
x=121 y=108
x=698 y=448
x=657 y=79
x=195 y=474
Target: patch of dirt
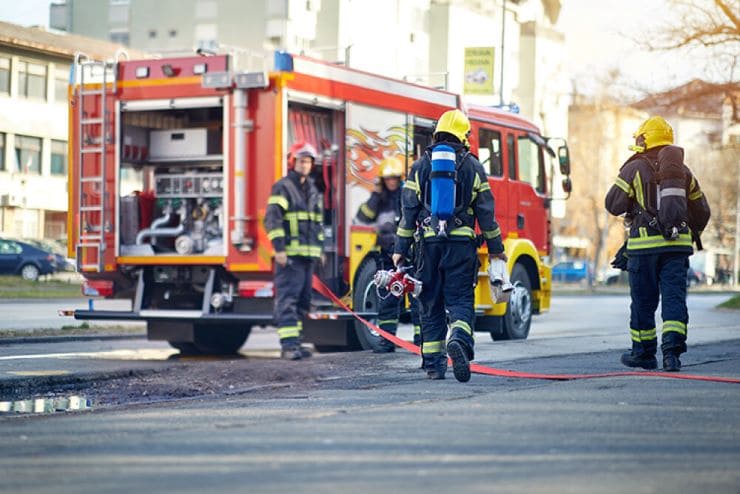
x=191 y=377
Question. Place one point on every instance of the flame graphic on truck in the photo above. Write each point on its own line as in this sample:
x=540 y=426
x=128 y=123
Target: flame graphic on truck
x=366 y=148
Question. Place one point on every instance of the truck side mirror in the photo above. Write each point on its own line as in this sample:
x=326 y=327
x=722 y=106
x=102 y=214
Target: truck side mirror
x=564 y=159
x=567 y=185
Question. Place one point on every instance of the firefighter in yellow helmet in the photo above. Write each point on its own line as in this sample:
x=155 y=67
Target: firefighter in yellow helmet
x=666 y=209
x=447 y=245
x=383 y=210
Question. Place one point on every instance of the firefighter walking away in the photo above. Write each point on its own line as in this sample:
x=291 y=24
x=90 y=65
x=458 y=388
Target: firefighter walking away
x=665 y=210
x=446 y=192
x=293 y=221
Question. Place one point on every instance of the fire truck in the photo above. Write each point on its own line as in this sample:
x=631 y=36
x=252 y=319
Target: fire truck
x=173 y=159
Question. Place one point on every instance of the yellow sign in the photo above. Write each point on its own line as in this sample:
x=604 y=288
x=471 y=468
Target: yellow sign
x=478 y=71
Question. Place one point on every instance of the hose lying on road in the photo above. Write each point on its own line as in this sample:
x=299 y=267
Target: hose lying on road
x=319 y=286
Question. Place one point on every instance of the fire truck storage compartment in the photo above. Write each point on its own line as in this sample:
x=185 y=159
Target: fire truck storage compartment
x=172 y=180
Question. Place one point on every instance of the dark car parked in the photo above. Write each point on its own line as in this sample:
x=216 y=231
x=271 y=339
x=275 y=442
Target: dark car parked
x=24 y=259
x=63 y=263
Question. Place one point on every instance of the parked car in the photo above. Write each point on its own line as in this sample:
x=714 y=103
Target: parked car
x=26 y=260
x=570 y=271
x=63 y=263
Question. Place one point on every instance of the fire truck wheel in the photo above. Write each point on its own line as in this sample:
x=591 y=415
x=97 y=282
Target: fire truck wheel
x=222 y=339
x=365 y=299
x=518 y=317
x=214 y=340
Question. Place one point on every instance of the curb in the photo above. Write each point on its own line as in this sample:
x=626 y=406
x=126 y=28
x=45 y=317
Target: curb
x=67 y=338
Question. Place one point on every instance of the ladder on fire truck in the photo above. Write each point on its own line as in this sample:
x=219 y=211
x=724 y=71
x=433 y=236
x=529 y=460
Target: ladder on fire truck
x=94 y=133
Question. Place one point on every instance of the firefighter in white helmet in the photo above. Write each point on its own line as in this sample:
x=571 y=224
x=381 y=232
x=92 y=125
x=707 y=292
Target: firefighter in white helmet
x=294 y=224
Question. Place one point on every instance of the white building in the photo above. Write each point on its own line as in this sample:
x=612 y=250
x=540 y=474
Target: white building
x=419 y=40
x=34 y=74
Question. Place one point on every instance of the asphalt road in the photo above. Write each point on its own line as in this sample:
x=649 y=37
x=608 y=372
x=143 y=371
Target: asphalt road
x=372 y=423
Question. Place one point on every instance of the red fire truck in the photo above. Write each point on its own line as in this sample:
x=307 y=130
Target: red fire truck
x=172 y=162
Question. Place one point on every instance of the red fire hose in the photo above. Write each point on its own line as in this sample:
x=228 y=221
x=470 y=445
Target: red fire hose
x=319 y=286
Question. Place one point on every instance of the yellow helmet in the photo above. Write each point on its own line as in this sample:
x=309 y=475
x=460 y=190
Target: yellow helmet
x=390 y=167
x=656 y=131
x=454 y=122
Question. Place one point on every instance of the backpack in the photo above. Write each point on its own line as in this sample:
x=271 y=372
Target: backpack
x=671 y=197
x=440 y=197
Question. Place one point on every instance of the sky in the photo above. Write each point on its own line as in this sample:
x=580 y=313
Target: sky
x=597 y=34
x=600 y=36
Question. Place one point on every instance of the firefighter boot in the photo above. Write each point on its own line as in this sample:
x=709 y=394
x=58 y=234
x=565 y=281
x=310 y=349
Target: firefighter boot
x=290 y=349
x=671 y=363
x=645 y=361
x=460 y=361
x=436 y=366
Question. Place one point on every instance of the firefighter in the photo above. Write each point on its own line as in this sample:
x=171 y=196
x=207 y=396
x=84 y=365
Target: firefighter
x=293 y=221
x=383 y=209
x=448 y=265
x=657 y=263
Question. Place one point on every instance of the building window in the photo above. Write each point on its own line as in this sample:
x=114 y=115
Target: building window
x=173 y=33
x=2 y=152
x=120 y=37
x=152 y=33
x=58 y=158
x=489 y=151
x=28 y=154
x=61 y=80
x=4 y=75
x=31 y=80
x=531 y=163
x=206 y=36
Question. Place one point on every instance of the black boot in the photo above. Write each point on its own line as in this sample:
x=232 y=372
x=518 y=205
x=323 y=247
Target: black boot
x=460 y=362
x=671 y=363
x=644 y=361
x=291 y=353
x=290 y=349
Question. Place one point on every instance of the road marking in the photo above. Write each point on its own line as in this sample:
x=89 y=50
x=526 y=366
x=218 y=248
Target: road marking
x=39 y=373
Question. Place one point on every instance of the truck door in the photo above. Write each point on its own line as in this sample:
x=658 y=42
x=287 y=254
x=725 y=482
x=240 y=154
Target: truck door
x=322 y=127
x=490 y=156
x=528 y=188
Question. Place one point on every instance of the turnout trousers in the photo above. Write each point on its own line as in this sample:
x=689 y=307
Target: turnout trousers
x=654 y=278
x=449 y=271
x=292 y=297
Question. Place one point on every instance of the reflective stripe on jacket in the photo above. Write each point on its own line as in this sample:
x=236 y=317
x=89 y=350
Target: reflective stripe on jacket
x=474 y=193
x=294 y=217
x=630 y=195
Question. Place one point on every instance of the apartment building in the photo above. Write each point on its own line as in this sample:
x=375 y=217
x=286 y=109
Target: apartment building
x=34 y=75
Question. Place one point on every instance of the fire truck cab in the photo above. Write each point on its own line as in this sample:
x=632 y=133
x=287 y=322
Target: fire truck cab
x=172 y=163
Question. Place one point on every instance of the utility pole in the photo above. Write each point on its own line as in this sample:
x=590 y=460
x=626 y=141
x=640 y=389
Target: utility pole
x=736 y=253
x=503 y=30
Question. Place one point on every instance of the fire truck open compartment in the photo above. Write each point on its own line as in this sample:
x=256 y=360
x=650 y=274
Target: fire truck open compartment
x=171 y=178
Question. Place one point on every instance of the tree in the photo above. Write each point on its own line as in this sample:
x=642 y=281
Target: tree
x=712 y=26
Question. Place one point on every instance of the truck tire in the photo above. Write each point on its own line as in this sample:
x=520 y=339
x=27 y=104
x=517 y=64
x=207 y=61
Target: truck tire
x=222 y=339
x=365 y=299
x=518 y=317
x=214 y=340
